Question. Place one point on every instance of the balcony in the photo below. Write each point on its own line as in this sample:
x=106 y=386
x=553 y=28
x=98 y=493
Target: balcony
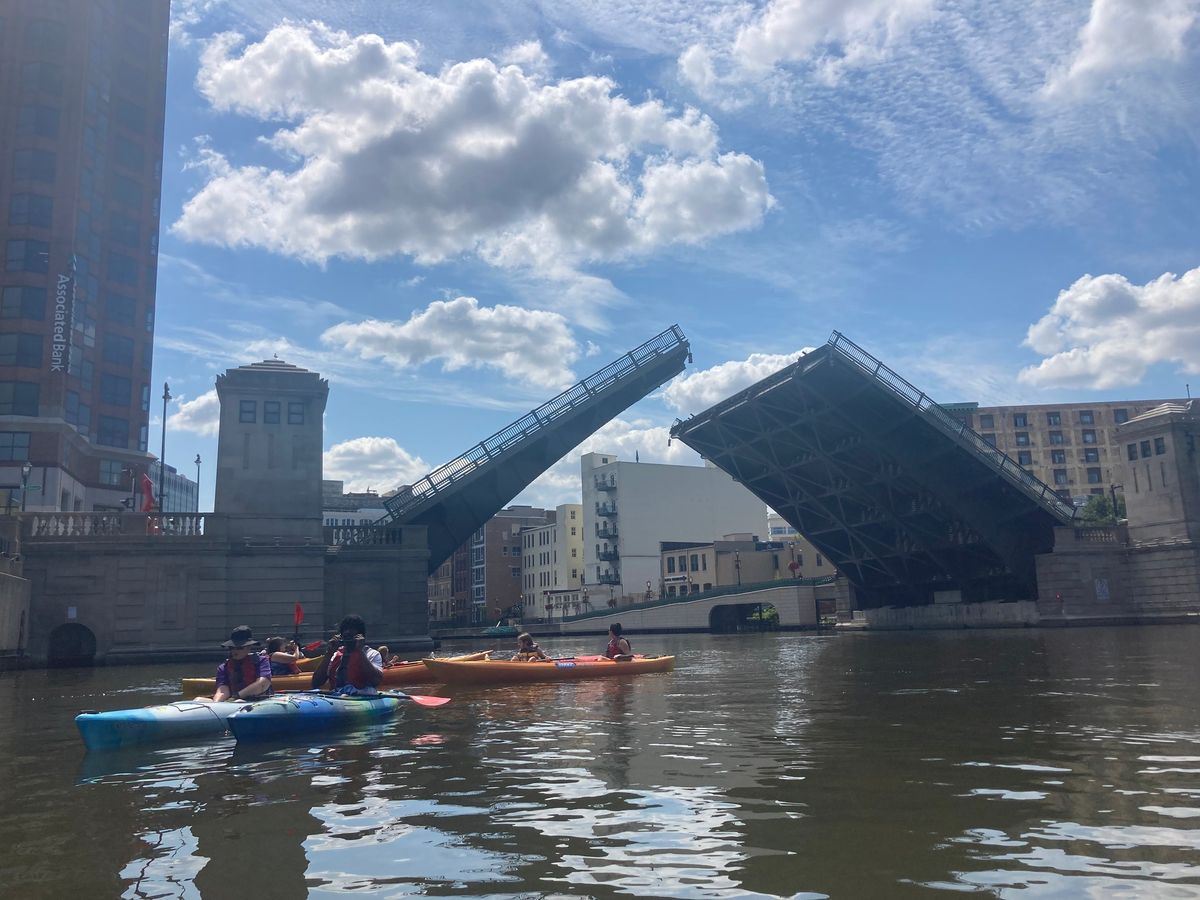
x=608 y=533
x=609 y=578
x=607 y=510
x=609 y=555
x=603 y=484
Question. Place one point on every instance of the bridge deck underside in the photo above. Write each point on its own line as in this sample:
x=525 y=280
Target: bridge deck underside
x=454 y=514
x=900 y=507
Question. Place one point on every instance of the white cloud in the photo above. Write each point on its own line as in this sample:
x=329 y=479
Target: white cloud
x=389 y=159
x=699 y=390
x=201 y=415
x=530 y=345
x=1121 y=36
x=1104 y=332
x=372 y=462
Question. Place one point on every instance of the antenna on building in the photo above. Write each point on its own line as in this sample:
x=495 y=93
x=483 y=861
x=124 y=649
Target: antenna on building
x=1188 y=388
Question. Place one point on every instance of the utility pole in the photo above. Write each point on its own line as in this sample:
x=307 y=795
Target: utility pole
x=162 y=448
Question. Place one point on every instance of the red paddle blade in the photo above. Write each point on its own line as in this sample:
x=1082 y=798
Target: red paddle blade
x=426 y=700
x=313 y=646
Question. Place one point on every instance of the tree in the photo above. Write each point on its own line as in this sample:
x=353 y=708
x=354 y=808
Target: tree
x=1099 y=510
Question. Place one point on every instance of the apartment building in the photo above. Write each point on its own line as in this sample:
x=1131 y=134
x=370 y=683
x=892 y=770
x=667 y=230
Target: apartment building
x=450 y=589
x=630 y=508
x=82 y=100
x=1073 y=447
x=496 y=562
x=552 y=564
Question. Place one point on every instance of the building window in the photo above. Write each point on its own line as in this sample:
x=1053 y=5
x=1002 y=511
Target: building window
x=248 y=411
x=703 y=562
x=110 y=471
x=31 y=209
x=112 y=431
x=987 y=422
x=1091 y=454
x=14 y=445
x=35 y=120
x=1093 y=476
x=295 y=412
x=574 y=553
x=1020 y=420
x=515 y=571
x=18 y=398
x=572 y=515
x=145 y=398
x=23 y=303
x=695 y=562
x=27 y=256
x=1089 y=435
x=34 y=165
x=820 y=561
x=1024 y=458
x=1060 y=476
x=119 y=309
x=1058 y=457
x=1056 y=437
x=1145 y=445
x=1022 y=438
x=115 y=389
x=122 y=269
x=1120 y=415
x=1160 y=446
x=124 y=230
x=670 y=565
x=21 y=350
x=1053 y=419
x=1064 y=495
x=1087 y=417
x=989 y=439
x=270 y=412
x=1131 y=451
x=118 y=350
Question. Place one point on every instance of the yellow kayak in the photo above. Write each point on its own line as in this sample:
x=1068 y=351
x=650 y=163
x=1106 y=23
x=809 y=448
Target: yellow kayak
x=402 y=673
x=497 y=671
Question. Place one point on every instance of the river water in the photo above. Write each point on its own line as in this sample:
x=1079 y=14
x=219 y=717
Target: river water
x=1031 y=763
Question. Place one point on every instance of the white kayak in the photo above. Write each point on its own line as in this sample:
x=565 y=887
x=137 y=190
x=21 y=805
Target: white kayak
x=290 y=714
x=129 y=727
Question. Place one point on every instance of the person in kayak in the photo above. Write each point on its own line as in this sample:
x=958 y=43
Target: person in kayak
x=284 y=656
x=527 y=650
x=349 y=665
x=245 y=673
x=618 y=646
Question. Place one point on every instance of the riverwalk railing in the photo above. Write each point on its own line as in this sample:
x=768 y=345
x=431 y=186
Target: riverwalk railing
x=706 y=595
x=40 y=526
x=612 y=375
x=952 y=426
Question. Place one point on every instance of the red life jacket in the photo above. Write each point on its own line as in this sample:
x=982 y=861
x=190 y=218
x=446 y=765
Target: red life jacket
x=242 y=672
x=352 y=669
x=614 y=647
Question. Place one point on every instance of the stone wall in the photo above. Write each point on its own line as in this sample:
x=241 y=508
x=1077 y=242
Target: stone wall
x=950 y=615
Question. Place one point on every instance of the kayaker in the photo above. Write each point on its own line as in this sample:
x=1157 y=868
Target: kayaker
x=384 y=654
x=245 y=673
x=618 y=646
x=527 y=650
x=349 y=665
x=283 y=655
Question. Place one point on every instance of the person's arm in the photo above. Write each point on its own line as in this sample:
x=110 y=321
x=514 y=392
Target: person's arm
x=321 y=675
x=625 y=648
x=222 y=691
x=261 y=686
x=374 y=672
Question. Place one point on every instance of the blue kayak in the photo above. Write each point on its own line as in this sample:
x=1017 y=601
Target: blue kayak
x=171 y=721
x=285 y=715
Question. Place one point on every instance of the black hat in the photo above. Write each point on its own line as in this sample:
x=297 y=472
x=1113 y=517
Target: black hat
x=241 y=636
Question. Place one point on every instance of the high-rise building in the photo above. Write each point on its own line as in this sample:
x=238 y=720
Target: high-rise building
x=82 y=98
x=552 y=564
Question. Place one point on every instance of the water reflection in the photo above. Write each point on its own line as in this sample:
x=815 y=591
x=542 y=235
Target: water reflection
x=1046 y=764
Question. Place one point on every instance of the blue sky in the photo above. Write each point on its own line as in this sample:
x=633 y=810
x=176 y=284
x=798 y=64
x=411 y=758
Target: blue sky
x=452 y=210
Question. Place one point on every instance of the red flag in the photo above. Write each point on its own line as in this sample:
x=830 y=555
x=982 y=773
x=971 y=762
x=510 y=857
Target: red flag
x=148 y=501
x=298 y=617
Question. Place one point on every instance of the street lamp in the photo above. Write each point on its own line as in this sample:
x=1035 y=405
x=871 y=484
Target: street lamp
x=197 y=482
x=1112 y=489
x=647 y=590
x=737 y=565
x=162 y=448
x=26 y=468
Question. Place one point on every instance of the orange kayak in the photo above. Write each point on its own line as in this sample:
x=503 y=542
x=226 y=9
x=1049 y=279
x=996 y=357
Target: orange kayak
x=498 y=671
x=413 y=672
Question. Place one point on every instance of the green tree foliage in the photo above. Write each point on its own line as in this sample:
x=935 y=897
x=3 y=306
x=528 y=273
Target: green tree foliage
x=1099 y=510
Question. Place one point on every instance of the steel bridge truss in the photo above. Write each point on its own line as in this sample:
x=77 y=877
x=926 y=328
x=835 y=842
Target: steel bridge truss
x=456 y=499
x=898 y=493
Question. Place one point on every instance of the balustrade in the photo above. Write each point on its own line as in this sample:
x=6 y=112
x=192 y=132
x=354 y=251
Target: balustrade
x=76 y=525
x=360 y=535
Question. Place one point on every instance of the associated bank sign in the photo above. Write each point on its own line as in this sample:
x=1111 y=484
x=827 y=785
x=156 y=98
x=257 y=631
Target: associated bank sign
x=64 y=306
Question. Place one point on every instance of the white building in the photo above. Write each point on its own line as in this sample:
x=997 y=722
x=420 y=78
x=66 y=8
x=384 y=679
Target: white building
x=354 y=508
x=630 y=508
x=809 y=561
x=552 y=564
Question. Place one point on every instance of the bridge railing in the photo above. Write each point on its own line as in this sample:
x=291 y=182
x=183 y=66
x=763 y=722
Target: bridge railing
x=75 y=525
x=488 y=449
x=953 y=426
x=363 y=535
